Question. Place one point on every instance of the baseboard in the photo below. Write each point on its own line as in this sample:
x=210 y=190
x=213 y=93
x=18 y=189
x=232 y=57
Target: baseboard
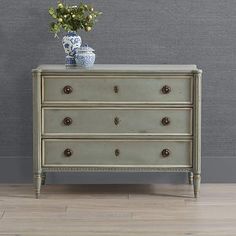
x=18 y=169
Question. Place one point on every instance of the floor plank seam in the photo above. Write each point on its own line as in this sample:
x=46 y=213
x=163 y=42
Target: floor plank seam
x=161 y=210
x=2 y=215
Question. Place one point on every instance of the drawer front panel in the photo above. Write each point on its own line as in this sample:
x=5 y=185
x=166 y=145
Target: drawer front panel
x=74 y=121
x=117 y=153
x=130 y=89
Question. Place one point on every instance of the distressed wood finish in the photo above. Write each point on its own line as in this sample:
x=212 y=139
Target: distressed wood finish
x=117 y=118
x=102 y=153
x=37 y=169
x=197 y=133
x=117 y=121
x=117 y=89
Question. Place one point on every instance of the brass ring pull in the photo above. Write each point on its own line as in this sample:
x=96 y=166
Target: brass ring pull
x=68 y=152
x=116 y=89
x=117 y=152
x=67 y=121
x=165 y=121
x=116 y=120
x=166 y=89
x=67 y=89
x=165 y=152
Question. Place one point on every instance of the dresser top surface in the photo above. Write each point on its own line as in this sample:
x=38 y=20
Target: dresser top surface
x=117 y=68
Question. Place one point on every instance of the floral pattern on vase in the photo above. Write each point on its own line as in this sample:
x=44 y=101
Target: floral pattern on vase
x=71 y=42
x=85 y=56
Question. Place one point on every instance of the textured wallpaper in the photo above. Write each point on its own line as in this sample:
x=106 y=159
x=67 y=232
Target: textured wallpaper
x=201 y=32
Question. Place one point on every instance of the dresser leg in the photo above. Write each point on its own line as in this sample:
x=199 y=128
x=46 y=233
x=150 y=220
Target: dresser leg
x=37 y=179
x=196 y=184
x=190 y=178
x=43 y=178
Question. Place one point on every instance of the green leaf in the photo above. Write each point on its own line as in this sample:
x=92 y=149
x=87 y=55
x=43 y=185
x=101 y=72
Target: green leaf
x=52 y=12
x=64 y=20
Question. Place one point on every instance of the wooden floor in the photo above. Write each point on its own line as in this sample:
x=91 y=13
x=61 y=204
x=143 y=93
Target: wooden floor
x=91 y=210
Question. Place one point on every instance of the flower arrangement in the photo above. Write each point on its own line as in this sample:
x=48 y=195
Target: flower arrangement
x=72 y=18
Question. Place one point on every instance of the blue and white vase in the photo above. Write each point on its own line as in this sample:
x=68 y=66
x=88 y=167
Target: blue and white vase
x=85 y=56
x=71 y=42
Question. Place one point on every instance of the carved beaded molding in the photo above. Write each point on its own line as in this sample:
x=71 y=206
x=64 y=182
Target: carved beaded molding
x=115 y=169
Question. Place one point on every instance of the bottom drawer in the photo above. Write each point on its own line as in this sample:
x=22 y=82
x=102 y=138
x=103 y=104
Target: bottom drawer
x=65 y=152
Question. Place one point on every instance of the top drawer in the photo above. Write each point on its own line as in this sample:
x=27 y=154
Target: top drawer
x=117 y=89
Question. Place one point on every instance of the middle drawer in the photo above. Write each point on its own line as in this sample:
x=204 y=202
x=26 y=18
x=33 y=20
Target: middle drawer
x=112 y=121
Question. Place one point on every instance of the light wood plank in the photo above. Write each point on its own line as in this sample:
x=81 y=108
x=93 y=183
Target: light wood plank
x=162 y=209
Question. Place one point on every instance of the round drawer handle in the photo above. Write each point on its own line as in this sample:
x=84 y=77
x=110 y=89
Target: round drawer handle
x=117 y=152
x=166 y=89
x=67 y=121
x=67 y=89
x=165 y=152
x=116 y=120
x=68 y=152
x=116 y=89
x=165 y=121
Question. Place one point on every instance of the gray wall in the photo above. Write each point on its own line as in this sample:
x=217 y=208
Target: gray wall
x=202 y=32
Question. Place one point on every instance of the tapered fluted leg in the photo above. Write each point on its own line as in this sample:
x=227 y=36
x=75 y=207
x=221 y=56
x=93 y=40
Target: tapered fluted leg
x=43 y=178
x=190 y=178
x=37 y=179
x=196 y=184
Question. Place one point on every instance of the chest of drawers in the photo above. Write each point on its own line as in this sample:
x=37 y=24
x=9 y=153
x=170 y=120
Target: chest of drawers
x=135 y=118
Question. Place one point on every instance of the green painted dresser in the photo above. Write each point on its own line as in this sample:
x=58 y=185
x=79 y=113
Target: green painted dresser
x=133 y=118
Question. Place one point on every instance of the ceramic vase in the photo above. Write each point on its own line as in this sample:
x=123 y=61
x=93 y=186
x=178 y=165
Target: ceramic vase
x=85 y=56
x=71 y=42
